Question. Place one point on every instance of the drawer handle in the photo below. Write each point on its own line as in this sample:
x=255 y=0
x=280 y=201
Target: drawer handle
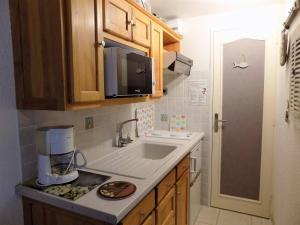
x=142 y=215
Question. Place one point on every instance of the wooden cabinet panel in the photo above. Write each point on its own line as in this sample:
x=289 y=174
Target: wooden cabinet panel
x=165 y=211
x=182 y=199
x=117 y=18
x=39 y=53
x=86 y=56
x=141 y=211
x=157 y=55
x=165 y=185
x=150 y=220
x=36 y=213
x=141 y=28
x=183 y=166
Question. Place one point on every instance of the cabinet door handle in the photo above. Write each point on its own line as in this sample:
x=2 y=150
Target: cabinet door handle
x=101 y=44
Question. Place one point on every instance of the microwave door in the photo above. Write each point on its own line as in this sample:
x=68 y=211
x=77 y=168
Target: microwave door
x=139 y=74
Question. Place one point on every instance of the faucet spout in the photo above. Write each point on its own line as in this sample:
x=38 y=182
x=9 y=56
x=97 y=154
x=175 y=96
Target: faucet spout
x=123 y=141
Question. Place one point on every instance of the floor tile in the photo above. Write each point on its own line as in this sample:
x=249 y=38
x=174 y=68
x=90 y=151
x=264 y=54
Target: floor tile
x=208 y=216
x=232 y=218
x=260 y=221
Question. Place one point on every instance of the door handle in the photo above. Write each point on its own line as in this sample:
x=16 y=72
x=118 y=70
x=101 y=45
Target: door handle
x=217 y=121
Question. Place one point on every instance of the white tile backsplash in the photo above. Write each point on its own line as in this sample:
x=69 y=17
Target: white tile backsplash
x=94 y=143
x=177 y=102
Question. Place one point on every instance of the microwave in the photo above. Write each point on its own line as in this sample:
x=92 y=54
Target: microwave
x=127 y=73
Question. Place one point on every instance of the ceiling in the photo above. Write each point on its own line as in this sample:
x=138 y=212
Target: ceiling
x=189 y=8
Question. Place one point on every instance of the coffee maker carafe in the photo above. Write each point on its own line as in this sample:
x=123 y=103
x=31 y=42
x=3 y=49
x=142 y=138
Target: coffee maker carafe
x=57 y=157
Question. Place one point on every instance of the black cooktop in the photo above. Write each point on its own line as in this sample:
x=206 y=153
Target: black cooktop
x=86 y=182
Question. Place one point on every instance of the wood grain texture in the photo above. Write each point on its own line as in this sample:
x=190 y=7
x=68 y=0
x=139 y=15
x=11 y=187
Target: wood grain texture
x=126 y=42
x=138 y=215
x=39 y=53
x=166 y=210
x=107 y=102
x=183 y=199
x=173 y=47
x=117 y=16
x=150 y=220
x=37 y=213
x=170 y=35
x=183 y=166
x=141 y=28
x=86 y=57
x=157 y=54
x=165 y=185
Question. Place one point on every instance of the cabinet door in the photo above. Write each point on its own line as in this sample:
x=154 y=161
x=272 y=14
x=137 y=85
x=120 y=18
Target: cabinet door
x=150 y=220
x=157 y=55
x=86 y=55
x=118 y=18
x=166 y=210
x=141 y=28
x=36 y=213
x=182 y=199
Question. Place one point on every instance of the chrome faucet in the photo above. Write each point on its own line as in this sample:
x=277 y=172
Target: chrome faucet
x=124 y=141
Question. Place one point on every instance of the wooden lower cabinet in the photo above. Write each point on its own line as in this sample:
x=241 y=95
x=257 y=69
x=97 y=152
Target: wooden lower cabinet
x=138 y=215
x=37 y=213
x=166 y=210
x=150 y=220
x=182 y=199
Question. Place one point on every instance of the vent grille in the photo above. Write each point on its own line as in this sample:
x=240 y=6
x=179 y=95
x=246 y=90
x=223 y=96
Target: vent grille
x=295 y=78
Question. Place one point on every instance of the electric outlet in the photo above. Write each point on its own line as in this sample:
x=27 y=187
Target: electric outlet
x=89 y=123
x=164 y=117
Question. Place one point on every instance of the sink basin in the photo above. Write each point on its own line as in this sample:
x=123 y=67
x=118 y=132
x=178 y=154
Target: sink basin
x=139 y=160
x=152 y=151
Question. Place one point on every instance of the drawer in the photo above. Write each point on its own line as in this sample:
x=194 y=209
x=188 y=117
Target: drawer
x=183 y=166
x=150 y=220
x=138 y=215
x=165 y=211
x=165 y=185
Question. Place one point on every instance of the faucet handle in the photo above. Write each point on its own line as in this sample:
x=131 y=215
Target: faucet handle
x=129 y=138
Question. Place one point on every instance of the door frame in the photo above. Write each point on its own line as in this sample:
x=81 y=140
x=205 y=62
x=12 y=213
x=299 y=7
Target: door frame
x=262 y=207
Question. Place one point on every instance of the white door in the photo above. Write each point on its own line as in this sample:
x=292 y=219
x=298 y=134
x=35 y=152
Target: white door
x=244 y=70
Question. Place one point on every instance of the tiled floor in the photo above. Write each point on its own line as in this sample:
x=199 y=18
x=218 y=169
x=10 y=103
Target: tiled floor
x=213 y=216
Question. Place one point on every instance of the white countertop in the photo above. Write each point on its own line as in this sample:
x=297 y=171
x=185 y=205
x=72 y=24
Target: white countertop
x=113 y=212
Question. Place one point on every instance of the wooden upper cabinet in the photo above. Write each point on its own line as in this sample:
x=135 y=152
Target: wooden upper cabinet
x=38 y=53
x=182 y=199
x=118 y=18
x=157 y=54
x=85 y=52
x=141 y=28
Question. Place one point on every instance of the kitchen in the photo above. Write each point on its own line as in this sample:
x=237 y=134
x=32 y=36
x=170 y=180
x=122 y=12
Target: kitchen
x=53 y=89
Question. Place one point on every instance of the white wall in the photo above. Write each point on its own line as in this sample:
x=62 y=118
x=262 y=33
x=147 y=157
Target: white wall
x=10 y=173
x=286 y=202
x=197 y=45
